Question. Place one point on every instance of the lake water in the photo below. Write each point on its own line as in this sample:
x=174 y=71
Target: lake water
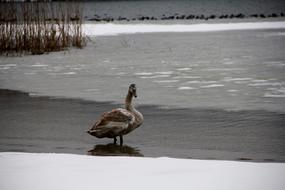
x=206 y=95
x=46 y=124
x=230 y=84
x=159 y=8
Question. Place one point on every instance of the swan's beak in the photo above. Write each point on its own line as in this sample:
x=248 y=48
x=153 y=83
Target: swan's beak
x=135 y=95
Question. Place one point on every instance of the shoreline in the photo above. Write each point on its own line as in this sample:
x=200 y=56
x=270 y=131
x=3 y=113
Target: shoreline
x=48 y=124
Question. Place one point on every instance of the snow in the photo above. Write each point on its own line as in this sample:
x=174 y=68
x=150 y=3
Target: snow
x=116 y=29
x=45 y=171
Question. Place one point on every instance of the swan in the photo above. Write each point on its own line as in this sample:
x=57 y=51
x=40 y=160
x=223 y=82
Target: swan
x=118 y=122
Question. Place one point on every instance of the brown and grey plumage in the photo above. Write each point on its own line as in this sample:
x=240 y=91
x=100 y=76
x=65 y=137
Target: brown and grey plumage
x=118 y=122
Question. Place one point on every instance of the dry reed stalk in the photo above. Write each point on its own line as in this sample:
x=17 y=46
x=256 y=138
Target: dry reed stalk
x=39 y=27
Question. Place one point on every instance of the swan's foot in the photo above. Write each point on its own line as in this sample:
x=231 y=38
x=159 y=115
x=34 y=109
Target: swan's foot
x=121 y=140
x=115 y=140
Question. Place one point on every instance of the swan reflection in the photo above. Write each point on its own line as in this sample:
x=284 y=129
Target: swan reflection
x=114 y=150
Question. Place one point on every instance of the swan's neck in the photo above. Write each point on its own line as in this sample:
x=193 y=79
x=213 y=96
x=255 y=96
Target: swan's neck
x=130 y=107
x=128 y=103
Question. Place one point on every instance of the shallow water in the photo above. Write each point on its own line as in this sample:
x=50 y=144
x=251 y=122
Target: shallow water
x=44 y=124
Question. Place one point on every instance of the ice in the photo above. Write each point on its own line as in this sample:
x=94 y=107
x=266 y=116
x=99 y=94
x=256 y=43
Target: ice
x=166 y=81
x=266 y=84
x=269 y=95
x=30 y=73
x=116 y=29
x=30 y=171
x=4 y=68
x=39 y=65
x=91 y=90
x=184 y=69
x=259 y=81
x=228 y=63
x=224 y=69
x=143 y=73
x=195 y=60
x=229 y=79
x=7 y=66
x=155 y=76
x=200 y=82
x=164 y=72
x=186 y=88
x=275 y=92
x=186 y=77
x=69 y=73
x=232 y=90
x=213 y=86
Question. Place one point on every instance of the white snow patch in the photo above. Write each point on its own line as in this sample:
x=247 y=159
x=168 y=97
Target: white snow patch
x=259 y=81
x=213 y=86
x=269 y=95
x=164 y=72
x=184 y=69
x=166 y=81
x=225 y=69
x=229 y=79
x=69 y=73
x=9 y=65
x=72 y=172
x=92 y=90
x=4 y=68
x=186 y=77
x=200 y=82
x=30 y=73
x=117 y=29
x=186 y=88
x=121 y=73
x=228 y=63
x=31 y=94
x=266 y=84
x=155 y=76
x=39 y=65
x=232 y=90
x=143 y=73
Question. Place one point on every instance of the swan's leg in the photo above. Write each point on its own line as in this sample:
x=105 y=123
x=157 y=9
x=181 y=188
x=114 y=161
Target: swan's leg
x=115 y=140
x=121 y=140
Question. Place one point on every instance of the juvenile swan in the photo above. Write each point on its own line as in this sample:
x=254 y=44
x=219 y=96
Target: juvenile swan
x=118 y=122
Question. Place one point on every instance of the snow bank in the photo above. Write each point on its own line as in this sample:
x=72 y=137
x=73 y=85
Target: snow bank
x=116 y=29
x=65 y=171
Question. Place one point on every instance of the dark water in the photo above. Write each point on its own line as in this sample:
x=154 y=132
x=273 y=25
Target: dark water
x=157 y=8
x=42 y=124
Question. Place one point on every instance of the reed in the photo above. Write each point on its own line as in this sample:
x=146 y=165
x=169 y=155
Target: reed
x=39 y=27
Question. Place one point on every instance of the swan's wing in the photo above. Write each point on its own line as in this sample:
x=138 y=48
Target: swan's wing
x=117 y=118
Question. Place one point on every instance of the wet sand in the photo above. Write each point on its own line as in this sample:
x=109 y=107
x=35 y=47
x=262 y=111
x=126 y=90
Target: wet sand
x=45 y=124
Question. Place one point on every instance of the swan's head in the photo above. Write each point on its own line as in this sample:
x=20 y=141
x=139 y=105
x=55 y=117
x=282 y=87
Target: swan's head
x=133 y=90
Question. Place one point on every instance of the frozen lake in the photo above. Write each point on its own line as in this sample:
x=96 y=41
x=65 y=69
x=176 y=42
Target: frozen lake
x=232 y=70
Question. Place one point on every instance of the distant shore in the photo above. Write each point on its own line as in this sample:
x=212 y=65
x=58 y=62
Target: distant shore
x=151 y=10
x=178 y=17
